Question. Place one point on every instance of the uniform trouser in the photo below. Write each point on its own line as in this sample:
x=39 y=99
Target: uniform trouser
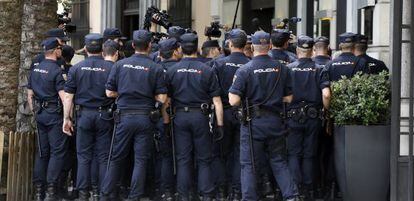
x=94 y=131
x=268 y=136
x=133 y=130
x=302 y=148
x=51 y=148
x=166 y=163
x=226 y=153
x=192 y=135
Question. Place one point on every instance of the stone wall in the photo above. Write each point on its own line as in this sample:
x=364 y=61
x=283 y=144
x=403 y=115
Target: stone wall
x=38 y=16
x=10 y=26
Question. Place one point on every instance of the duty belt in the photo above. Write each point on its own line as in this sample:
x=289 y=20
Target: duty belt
x=307 y=111
x=258 y=112
x=94 y=109
x=204 y=108
x=134 y=111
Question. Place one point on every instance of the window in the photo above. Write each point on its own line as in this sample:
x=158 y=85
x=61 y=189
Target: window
x=180 y=12
x=366 y=22
x=80 y=17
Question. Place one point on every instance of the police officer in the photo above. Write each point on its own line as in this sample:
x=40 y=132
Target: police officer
x=321 y=51
x=86 y=86
x=173 y=32
x=375 y=66
x=60 y=35
x=45 y=92
x=135 y=115
x=310 y=87
x=110 y=51
x=170 y=54
x=116 y=35
x=209 y=51
x=280 y=42
x=346 y=64
x=193 y=87
x=248 y=48
x=264 y=85
x=227 y=152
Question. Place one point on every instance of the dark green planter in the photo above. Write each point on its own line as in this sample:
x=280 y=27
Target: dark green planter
x=362 y=162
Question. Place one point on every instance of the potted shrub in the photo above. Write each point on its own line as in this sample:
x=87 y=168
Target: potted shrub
x=360 y=108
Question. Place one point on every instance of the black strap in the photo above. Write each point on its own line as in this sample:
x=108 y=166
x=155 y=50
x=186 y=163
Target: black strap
x=134 y=111
x=273 y=89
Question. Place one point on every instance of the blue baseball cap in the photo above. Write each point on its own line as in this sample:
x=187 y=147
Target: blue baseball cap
x=142 y=35
x=348 y=37
x=50 y=43
x=305 y=42
x=237 y=34
x=210 y=43
x=280 y=35
x=93 y=40
x=168 y=44
x=362 y=39
x=58 y=33
x=189 y=39
x=175 y=32
x=322 y=39
x=261 y=38
x=112 y=33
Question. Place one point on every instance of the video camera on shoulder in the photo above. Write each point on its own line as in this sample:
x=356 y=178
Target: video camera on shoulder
x=66 y=21
x=158 y=17
x=286 y=22
x=213 y=31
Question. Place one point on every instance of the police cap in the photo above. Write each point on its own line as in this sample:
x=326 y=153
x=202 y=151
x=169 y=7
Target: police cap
x=50 y=43
x=237 y=34
x=347 y=37
x=93 y=40
x=58 y=33
x=112 y=33
x=189 y=39
x=142 y=36
x=249 y=39
x=168 y=44
x=261 y=38
x=322 y=39
x=280 y=35
x=175 y=32
x=305 y=42
x=210 y=43
x=362 y=39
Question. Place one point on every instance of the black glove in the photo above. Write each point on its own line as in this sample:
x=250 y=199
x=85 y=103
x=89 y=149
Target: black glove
x=219 y=133
x=167 y=130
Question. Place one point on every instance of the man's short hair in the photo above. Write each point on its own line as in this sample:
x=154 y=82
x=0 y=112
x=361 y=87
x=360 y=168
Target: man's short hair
x=320 y=46
x=94 y=50
x=260 y=48
x=206 y=51
x=140 y=45
x=238 y=42
x=167 y=54
x=109 y=51
x=189 y=49
x=361 y=47
x=346 y=46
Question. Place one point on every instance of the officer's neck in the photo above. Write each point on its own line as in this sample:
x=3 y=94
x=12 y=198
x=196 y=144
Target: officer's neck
x=255 y=54
x=141 y=52
x=358 y=53
x=234 y=50
x=51 y=57
x=321 y=53
x=190 y=55
x=277 y=48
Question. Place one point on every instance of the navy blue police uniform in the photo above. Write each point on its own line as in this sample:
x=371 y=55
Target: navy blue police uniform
x=374 y=66
x=56 y=33
x=164 y=159
x=281 y=55
x=134 y=128
x=46 y=81
x=192 y=85
x=226 y=154
x=305 y=113
x=264 y=82
x=322 y=60
x=346 y=64
x=86 y=80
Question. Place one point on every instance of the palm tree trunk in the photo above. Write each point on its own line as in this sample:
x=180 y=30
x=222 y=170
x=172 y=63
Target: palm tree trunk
x=38 y=17
x=10 y=34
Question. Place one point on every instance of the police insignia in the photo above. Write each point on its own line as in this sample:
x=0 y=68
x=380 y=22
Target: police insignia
x=305 y=45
